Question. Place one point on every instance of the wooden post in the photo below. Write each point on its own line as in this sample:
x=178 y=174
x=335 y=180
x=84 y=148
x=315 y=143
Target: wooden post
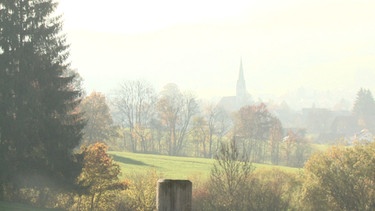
x=174 y=195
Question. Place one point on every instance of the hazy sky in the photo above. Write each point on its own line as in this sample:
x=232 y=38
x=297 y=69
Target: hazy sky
x=198 y=44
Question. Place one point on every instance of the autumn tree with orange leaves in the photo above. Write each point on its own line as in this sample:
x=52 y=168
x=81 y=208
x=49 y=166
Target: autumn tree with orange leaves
x=99 y=179
x=98 y=118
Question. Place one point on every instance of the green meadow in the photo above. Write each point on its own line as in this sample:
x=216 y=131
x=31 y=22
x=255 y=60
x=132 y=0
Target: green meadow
x=172 y=167
x=320 y=147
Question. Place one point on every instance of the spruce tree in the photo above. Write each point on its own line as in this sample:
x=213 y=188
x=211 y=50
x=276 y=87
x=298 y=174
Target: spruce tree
x=364 y=104
x=39 y=122
x=364 y=109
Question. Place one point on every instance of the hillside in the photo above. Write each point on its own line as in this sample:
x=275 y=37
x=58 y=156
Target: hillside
x=171 y=167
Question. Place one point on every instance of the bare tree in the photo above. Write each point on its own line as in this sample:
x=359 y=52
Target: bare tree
x=223 y=124
x=276 y=133
x=229 y=179
x=135 y=103
x=218 y=124
x=175 y=110
x=200 y=134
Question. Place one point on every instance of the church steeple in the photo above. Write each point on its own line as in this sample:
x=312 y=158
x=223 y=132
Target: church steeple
x=242 y=97
x=241 y=85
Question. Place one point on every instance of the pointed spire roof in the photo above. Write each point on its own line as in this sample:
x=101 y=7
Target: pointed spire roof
x=241 y=84
x=241 y=75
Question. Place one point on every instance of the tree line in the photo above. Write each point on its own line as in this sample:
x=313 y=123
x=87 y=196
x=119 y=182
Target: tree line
x=173 y=122
x=45 y=118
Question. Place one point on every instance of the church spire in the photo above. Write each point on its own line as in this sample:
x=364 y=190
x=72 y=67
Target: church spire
x=241 y=75
x=241 y=85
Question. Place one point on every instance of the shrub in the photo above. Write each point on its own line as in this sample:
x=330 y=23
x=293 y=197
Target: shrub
x=228 y=185
x=342 y=178
x=141 y=194
x=273 y=189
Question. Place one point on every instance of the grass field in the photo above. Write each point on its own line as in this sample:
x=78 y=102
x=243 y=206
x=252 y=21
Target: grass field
x=171 y=167
x=320 y=147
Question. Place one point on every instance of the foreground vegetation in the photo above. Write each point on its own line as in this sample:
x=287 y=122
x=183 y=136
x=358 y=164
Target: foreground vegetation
x=339 y=178
x=336 y=178
x=52 y=151
x=8 y=206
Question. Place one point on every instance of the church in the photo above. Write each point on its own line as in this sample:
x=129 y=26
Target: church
x=242 y=97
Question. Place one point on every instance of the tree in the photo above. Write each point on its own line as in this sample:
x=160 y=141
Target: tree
x=341 y=178
x=296 y=148
x=99 y=179
x=289 y=144
x=254 y=125
x=99 y=120
x=222 y=125
x=276 y=133
x=364 y=109
x=39 y=122
x=200 y=134
x=175 y=110
x=218 y=124
x=229 y=178
x=135 y=104
x=209 y=128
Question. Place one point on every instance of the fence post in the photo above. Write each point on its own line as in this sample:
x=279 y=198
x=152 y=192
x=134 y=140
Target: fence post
x=173 y=195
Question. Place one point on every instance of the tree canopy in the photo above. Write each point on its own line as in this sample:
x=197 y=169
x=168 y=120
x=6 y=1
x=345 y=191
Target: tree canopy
x=254 y=125
x=98 y=118
x=175 y=109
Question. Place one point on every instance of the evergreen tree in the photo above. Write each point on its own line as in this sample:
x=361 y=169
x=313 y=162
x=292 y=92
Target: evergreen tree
x=364 y=104
x=39 y=123
x=364 y=109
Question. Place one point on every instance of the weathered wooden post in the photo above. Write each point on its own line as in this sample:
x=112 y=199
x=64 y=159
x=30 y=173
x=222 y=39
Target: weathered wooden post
x=173 y=195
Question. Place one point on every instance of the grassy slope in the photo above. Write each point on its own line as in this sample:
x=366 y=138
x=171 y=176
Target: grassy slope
x=320 y=147
x=170 y=166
